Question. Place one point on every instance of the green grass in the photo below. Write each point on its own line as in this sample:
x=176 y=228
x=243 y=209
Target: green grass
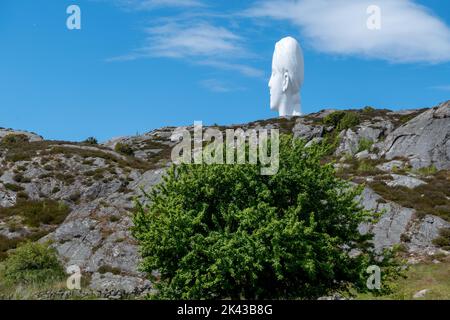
x=426 y=171
x=14 y=187
x=124 y=149
x=14 y=139
x=35 y=213
x=443 y=240
x=434 y=277
x=364 y=144
x=33 y=269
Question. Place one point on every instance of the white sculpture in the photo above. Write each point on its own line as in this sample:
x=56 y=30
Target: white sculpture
x=287 y=77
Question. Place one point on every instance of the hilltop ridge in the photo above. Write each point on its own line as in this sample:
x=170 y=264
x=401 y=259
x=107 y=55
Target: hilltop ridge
x=402 y=158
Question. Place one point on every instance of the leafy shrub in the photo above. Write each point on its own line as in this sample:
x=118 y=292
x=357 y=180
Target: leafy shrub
x=36 y=213
x=12 y=139
x=21 y=179
x=91 y=141
x=350 y=120
x=7 y=244
x=368 y=109
x=14 y=187
x=334 y=118
x=364 y=144
x=443 y=240
x=342 y=120
x=367 y=167
x=427 y=170
x=124 y=149
x=31 y=263
x=226 y=231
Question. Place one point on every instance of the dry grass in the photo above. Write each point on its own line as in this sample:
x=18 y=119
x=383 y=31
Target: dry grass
x=431 y=276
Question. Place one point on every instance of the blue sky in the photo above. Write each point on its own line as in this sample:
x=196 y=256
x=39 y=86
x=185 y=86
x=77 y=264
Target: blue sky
x=137 y=65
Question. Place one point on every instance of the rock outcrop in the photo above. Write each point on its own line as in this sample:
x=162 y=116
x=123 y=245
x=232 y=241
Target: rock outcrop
x=424 y=141
x=99 y=184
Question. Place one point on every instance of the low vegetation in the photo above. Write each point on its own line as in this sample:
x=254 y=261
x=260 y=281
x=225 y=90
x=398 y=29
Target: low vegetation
x=124 y=149
x=14 y=139
x=365 y=144
x=35 y=213
x=28 y=270
x=91 y=141
x=31 y=263
x=218 y=232
x=430 y=276
x=431 y=198
x=443 y=240
x=342 y=120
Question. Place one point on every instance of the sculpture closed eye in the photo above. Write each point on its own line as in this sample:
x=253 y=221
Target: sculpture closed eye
x=287 y=77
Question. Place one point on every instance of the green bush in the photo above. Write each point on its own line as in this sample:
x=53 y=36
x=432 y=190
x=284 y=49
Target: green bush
x=226 y=231
x=7 y=244
x=364 y=144
x=91 y=141
x=13 y=139
x=342 y=120
x=124 y=149
x=31 y=263
x=443 y=240
x=14 y=187
x=18 y=177
x=368 y=109
x=349 y=121
x=334 y=118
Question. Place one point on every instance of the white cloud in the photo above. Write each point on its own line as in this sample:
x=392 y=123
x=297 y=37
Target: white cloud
x=442 y=87
x=183 y=40
x=232 y=66
x=409 y=32
x=219 y=86
x=153 y=4
x=200 y=43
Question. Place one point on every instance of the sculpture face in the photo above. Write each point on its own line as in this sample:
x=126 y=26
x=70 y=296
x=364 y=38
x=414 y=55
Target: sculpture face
x=287 y=77
x=276 y=88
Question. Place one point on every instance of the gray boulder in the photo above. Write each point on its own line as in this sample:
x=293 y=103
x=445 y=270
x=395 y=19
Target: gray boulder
x=349 y=143
x=423 y=232
x=404 y=181
x=425 y=140
x=392 y=224
x=391 y=165
x=306 y=132
x=31 y=136
x=114 y=286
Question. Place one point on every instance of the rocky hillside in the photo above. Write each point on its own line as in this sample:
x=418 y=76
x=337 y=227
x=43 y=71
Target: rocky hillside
x=79 y=195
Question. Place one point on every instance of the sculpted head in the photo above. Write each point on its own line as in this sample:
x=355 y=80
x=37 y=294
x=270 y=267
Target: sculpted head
x=287 y=77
